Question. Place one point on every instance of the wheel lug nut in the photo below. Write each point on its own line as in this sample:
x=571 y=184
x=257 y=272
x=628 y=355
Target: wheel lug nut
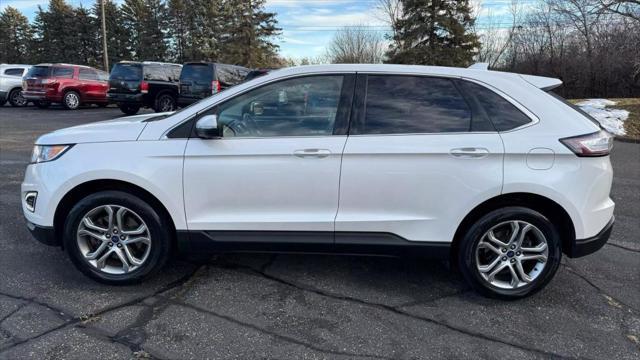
x=504 y=258
x=119 y=245
x=110 y=244
x=122 y=237
x=518 y=253
x=512 y=260
x=504 y=250
x=115 y=231
x=513 y=247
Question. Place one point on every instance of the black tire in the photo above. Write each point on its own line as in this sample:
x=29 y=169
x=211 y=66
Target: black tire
x=129 y=109
x=2 y=102
x=165 y=102
x=469 y=243
x=42 y=104
x=71 y=100
x=16 y=99
x=160 y=236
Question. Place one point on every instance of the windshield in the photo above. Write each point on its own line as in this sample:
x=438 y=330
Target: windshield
x=39 y=71
x=200 y=72
x=127 y=72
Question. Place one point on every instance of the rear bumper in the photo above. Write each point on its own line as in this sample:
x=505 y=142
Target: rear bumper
x=125 y=98
x=582 y=247
x=39 y=96
x=43 y=234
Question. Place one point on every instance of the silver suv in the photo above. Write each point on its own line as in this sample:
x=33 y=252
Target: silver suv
x=11 y=84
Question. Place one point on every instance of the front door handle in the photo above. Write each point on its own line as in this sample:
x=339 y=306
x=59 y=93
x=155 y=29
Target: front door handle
x=470 y=153
x=309 y=153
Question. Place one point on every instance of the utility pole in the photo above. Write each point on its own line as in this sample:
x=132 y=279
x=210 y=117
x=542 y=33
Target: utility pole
x=105 y=55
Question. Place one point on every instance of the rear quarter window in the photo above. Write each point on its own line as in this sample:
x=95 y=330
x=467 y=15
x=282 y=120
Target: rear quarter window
x=39 y=71
x=201 y=72
x=13 y=72
x=155 y=73
x=504 y=115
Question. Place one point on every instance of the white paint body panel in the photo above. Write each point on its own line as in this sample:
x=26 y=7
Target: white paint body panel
x=406 y=184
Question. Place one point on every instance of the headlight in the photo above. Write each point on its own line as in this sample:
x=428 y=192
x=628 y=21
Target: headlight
x=42 y=153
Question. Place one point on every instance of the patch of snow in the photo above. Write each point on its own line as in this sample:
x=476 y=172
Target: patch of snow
x=610 y=119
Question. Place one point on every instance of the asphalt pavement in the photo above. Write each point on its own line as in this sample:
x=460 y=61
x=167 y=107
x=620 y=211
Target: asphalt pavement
x=304 y=306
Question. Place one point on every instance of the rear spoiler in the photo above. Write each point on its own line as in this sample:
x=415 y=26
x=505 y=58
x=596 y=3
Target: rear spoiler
x=541 y=82
x=544 y=83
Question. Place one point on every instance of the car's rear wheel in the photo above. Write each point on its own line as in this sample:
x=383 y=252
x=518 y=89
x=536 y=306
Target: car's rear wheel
x=16 y=99
x=510 y=253
x=164 y=103
x=71 y=100
x=42 y=104
x=116 y=238
x=129 y=109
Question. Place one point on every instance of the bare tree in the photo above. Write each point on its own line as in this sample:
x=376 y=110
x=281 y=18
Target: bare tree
x=627 y=8
x=357 y=45
x=391 y=13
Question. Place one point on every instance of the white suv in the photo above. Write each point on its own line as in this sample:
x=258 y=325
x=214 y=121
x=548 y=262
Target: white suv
x=11 y=84
x=481 y=167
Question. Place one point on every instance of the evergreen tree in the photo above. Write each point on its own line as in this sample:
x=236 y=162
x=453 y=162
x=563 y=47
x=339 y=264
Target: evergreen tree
x=118 y=36
x=16 y=36
x=146 y=20
x=55 y=38
x=85 y=35
x=434 y=32
x=248 y=36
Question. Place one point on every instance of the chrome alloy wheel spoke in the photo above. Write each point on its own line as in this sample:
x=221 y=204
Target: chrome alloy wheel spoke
x=511 y=254
x=114 y=239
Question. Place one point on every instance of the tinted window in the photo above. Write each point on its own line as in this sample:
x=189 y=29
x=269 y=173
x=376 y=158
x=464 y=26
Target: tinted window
x=155 y=73
x=63 y=72
x=88 y=74
x=127 y=72
x=13 y=72
x=230 y=75
x=200 y=72
x=298 y=107
x=39 y=71
x=502 y=113
x=175 y=71
x=413 y=104
x=103 y=76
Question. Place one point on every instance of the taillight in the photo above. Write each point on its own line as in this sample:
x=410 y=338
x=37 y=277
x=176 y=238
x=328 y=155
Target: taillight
x=215 y=87
x=596 y=144
x=144 y=87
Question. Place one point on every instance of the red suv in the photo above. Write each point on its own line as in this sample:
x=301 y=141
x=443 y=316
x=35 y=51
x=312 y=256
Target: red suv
x=71 y=85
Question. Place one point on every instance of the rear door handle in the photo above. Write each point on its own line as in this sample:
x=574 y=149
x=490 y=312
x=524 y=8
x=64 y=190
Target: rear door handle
x=312 y=153
x=470 y=153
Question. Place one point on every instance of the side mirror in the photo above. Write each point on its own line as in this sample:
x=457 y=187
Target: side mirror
x=207 y=127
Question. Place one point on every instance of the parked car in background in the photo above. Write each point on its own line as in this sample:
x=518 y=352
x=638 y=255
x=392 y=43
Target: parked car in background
x=11 y=84
x=199 y=80
x=133 y=85
x=256 y=73
x=68 y=84
x=485 y=168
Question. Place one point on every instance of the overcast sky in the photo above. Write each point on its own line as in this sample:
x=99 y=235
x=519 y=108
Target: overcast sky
x=308 y=25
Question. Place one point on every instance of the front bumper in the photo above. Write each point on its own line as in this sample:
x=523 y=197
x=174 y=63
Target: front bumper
x=43 y=234
x=3 y=96
x=583 y=247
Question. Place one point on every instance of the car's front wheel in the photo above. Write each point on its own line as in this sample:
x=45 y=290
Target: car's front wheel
x=510 y=253
x=116 y=238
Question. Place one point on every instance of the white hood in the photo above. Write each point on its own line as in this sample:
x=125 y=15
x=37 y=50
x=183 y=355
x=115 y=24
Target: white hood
x=121 y=129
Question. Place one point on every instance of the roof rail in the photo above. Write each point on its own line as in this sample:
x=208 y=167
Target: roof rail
x=479 y=66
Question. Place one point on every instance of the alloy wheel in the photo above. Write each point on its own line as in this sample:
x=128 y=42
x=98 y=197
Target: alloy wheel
x=166 y=103
x=113 y=239
x=17 y=99
x=511 y=254
x=72 y=100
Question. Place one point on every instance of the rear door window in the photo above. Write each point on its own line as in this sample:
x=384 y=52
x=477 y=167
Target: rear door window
x=155 y=73
x=126 y=72
x=398 y=104
x=504 y=115
x=63 y=72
